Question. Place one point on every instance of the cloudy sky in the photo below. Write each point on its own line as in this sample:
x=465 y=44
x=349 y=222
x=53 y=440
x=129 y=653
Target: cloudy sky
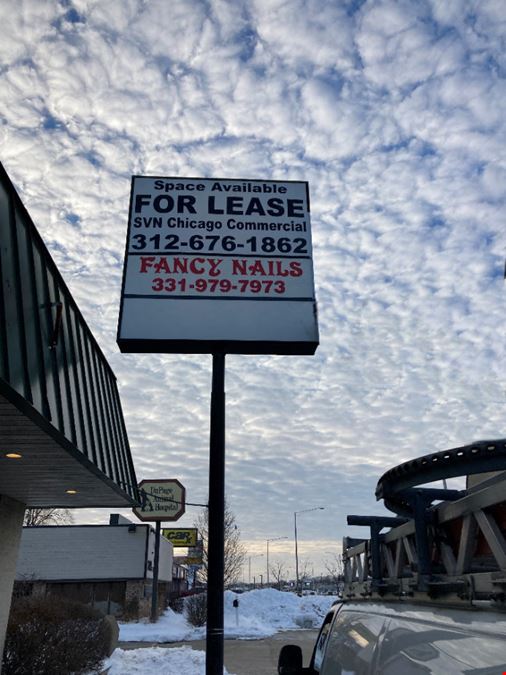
x=395 y=113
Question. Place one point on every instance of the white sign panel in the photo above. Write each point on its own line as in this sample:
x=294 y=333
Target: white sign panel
x=218 y=265
x=162 y=499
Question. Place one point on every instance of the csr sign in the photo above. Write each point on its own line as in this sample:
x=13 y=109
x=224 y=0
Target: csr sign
x=218 y=264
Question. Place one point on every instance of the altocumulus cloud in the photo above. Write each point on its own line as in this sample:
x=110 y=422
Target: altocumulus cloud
x=394 y=112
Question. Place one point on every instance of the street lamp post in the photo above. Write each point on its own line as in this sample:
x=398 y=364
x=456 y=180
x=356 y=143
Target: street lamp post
x=269 y=540
x=295 y=514
x=259 y=555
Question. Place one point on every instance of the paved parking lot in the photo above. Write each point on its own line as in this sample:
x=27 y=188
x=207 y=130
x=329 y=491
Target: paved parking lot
x=249 y=657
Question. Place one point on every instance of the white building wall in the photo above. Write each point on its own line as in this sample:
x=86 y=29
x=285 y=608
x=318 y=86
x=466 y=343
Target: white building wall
x=91 y=552
x=166 y=558
x=81 y=552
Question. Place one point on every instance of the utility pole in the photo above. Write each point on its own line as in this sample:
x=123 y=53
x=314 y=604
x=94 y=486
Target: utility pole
x=216 y=533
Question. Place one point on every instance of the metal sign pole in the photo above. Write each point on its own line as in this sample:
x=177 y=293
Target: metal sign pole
x=154 y=594
x=216 y=533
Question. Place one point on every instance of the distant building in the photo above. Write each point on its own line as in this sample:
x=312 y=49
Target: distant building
x=107 y=566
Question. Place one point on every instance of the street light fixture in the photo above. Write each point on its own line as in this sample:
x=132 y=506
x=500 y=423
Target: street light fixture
x=269 y=540
x=295 y=514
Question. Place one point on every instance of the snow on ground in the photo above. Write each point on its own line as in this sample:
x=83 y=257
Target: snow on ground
x=158 y=661
x=266 y=611
x=170 y=627
x=261 y=613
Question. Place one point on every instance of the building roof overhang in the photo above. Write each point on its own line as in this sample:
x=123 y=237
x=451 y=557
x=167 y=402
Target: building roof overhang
x=60 y=409
x=49 y=464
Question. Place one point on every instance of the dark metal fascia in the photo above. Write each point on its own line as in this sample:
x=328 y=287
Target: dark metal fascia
x=34 y=233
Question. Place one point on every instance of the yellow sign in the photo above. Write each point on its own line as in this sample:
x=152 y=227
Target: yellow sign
x=192 y=561
x=181 y=537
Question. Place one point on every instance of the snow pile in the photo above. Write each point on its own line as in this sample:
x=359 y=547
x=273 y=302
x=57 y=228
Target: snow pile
x=266 y=611
x=159 y=660
x=170 y=627
x=261 y=613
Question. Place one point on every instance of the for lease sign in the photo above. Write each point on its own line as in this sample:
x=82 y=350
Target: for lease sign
x=218 y=264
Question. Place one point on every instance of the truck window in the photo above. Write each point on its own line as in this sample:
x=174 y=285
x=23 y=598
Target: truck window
x=321 y=642
x=352 y=644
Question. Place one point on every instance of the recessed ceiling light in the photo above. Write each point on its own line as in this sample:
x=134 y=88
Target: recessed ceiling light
x=71 y=492
x=13 y=455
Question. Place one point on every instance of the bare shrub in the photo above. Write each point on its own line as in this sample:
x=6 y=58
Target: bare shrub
x=195 y=609
x=177 y=605
x=22 y=588
x=54 y=636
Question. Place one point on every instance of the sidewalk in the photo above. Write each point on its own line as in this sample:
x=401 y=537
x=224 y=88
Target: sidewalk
x=247 y=657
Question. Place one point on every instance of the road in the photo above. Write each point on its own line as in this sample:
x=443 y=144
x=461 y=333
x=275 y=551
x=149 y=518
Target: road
x=248 y=657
